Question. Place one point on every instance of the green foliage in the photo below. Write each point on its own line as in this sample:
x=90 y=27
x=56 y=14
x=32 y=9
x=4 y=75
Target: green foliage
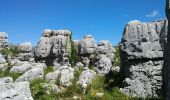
x=117 y=56
x=48 y=69
x=7 y=73
x=12 y=50
x=74 y=58
x=39 y=92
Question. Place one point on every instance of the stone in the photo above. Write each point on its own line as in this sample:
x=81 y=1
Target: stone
x=15 y=91
x=15 y=62
x=105 y=47
x=79 y=65
x=66 y=75
x=51 y=88
x=25 y=56
x=54 y=47
x=99 y=95
x=6 y=80
x=3 y=40
x=26 y=47
x=141 y=50
x=103 y=65
x=38 y=65
x=86 y=78
x=87 y=45
x=2 y=59
x=52 y=76
x=21 y=68
x=32 y=74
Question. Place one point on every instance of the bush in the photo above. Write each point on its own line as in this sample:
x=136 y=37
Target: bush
x=117 y=56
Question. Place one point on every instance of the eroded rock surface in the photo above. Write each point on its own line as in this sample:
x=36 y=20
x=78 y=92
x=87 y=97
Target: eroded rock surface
x=54 y=47
x=3 y=40
x=15 y=91
x=142 y=49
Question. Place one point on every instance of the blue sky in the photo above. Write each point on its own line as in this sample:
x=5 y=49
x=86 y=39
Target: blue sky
x=25 y=20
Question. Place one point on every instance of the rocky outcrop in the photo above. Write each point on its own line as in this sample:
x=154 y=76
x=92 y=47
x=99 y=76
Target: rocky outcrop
x=52 y=76
x=26 y=51
x=87 y=49
x=15 y=91
x=32 y=74
x=86 y=78
x=66 y=76
x=105 y=57
x=3 y=64
x=142 y=49
x=54 y=47
x=166 y=69
x=3 y=40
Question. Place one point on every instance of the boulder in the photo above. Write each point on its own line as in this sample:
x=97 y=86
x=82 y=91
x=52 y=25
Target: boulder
x=86 y=78
x=141 y=49
x=54 y=47
x=52 y=76
x=32 y=74
x=103 y=65
x=66 y=75
x=21 y=68
x=15 y=91
x=26 y=47
x=3 y=40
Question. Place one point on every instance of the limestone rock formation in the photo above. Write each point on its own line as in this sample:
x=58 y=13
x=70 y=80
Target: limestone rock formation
x=166 y=69
x=26 y=51
x=87 y=49
x=54 y=47
x=3 y=64
x=66 y=75
x=15 y=91
x=21 y=68
x=52 y=76
x=142 y=49
x=105 y=57
x=86 y=78
x=6 y=80
x=32 y=74
x=3 y=40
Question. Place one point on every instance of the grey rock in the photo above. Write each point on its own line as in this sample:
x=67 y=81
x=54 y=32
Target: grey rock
x=6 y=80
x=144 y=74
x=15 y=91
x=38 y=65
x=43 y=48
x=54 y=47
x=32 y=74
x=26 y=47
x=87 y=45
x=21 y=68
x=25 y=56
x=144 y=40
x=66 y=75
x=142 y=48
x=103 y=65
x=52 y=76
x=51 y=88
x=15 y=62
x=2 y=59
x=79 y=65
x=86 y=78
x=104 y=47
x=3 y=67
x=3 y=40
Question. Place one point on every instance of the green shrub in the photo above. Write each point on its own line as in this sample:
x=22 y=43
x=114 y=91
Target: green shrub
x=117 y=56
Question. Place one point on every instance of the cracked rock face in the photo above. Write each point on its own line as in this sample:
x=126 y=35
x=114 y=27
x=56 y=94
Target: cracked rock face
x=87 y=48
x=105 y=56
x=86 y=77
x=15 y=91
x=142 y=49
x=54 y=47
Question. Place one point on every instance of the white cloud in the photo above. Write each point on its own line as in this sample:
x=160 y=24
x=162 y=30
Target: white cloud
x=153 y=14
